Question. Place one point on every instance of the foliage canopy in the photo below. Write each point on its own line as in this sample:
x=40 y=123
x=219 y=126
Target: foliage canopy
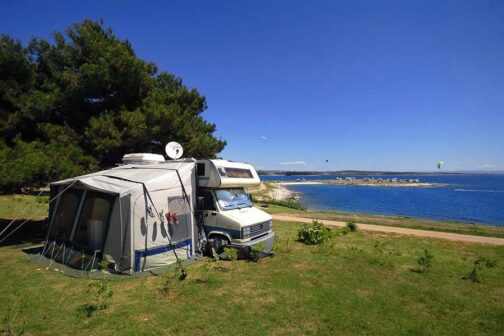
x=81 y=102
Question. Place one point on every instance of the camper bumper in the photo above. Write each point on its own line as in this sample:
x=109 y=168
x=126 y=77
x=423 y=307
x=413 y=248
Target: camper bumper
x=245 y=248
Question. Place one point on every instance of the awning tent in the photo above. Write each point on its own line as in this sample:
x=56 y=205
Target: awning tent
x=137 y=217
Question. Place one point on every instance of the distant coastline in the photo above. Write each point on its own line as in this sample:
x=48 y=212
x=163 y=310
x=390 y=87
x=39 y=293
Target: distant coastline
x=372 y=173
x=281 y=191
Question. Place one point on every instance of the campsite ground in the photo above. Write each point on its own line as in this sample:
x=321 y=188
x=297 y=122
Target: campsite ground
x=358 y=283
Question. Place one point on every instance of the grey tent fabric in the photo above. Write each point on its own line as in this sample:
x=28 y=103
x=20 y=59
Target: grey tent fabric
x=138 y=217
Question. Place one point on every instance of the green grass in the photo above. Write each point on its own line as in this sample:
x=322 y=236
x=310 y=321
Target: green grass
x=412 y=223
x=25 y=205
x=345 y=287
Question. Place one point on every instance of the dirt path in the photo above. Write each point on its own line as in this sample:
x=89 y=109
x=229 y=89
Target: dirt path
x=403 y=231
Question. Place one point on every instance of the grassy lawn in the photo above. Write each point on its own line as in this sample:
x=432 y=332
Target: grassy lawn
x=26 y=205
x=347 y=286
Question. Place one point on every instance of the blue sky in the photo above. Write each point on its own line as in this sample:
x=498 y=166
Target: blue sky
x=392 y=85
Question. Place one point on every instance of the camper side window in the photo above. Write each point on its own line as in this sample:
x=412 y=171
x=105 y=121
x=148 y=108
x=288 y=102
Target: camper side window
x=201 y=169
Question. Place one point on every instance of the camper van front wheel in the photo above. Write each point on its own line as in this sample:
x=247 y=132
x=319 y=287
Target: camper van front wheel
x=217 y=243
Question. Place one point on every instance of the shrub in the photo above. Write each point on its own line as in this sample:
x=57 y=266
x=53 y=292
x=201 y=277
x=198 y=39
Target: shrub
x=232 y=253
x=352 y=226
x=179 y=269
x=104 y=265
x=206 y=269
x=474 y=276
x=425 y=262
x=314 y=234
x=256 y=251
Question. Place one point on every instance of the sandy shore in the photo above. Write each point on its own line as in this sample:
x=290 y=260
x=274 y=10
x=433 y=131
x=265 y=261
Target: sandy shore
x=280 y=192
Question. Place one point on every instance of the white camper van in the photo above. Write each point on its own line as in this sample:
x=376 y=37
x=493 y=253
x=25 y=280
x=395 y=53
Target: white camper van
x=228 y=213
x=149 y=213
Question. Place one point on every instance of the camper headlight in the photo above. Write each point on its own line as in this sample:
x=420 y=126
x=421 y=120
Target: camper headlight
x=246 y=232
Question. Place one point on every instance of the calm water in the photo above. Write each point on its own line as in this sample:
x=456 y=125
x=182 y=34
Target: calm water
x=468 y=198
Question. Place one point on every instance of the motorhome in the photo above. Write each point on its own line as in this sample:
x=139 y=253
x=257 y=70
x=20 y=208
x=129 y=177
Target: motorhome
x=228 y=213
x=148 y=213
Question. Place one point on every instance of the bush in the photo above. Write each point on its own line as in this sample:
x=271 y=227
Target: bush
x=232 y=253
x=314 y=234
x=425 y=262
x=477 y=266
x=256 y=251
x=352 y=226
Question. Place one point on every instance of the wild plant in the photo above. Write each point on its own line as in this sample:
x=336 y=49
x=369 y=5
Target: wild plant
x=180 y=270
x=425 y=262
x=232 y=253
x=356 y=250
x=314 y=234
x=256 y=251
x=352 y=226
x=477 y=266
x=327 y=247
x=206 y=268
x=284 y=245
x=104 y=265
x=101 y=292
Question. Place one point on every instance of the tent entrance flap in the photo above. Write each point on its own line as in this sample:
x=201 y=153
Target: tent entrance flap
x=79 y=227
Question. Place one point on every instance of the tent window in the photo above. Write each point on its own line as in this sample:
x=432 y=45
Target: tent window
x=93 y=221
x=65 y=215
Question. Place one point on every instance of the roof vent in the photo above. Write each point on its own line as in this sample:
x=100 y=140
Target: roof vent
x=142 y=158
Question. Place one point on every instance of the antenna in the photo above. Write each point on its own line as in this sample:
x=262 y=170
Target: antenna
x=174 y=150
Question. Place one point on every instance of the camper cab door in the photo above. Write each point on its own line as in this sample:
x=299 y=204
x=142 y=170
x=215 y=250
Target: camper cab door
x=209 y=207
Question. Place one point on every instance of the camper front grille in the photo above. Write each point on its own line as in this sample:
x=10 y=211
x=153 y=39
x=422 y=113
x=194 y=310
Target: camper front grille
x=260 y=228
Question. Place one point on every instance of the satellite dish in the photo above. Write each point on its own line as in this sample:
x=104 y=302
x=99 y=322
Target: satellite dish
x=174 y=150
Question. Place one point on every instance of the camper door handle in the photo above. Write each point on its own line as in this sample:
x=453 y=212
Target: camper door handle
x=214 y=213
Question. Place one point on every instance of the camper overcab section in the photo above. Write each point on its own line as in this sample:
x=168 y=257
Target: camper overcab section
x=229 y=215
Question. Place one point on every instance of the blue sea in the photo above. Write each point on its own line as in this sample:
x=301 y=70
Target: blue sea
x=471 y=198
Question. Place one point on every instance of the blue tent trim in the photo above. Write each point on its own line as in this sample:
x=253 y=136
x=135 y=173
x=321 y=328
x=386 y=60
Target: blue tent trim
x=158 y=250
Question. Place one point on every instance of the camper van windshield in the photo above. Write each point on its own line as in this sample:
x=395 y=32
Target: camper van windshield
x=233 y=199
